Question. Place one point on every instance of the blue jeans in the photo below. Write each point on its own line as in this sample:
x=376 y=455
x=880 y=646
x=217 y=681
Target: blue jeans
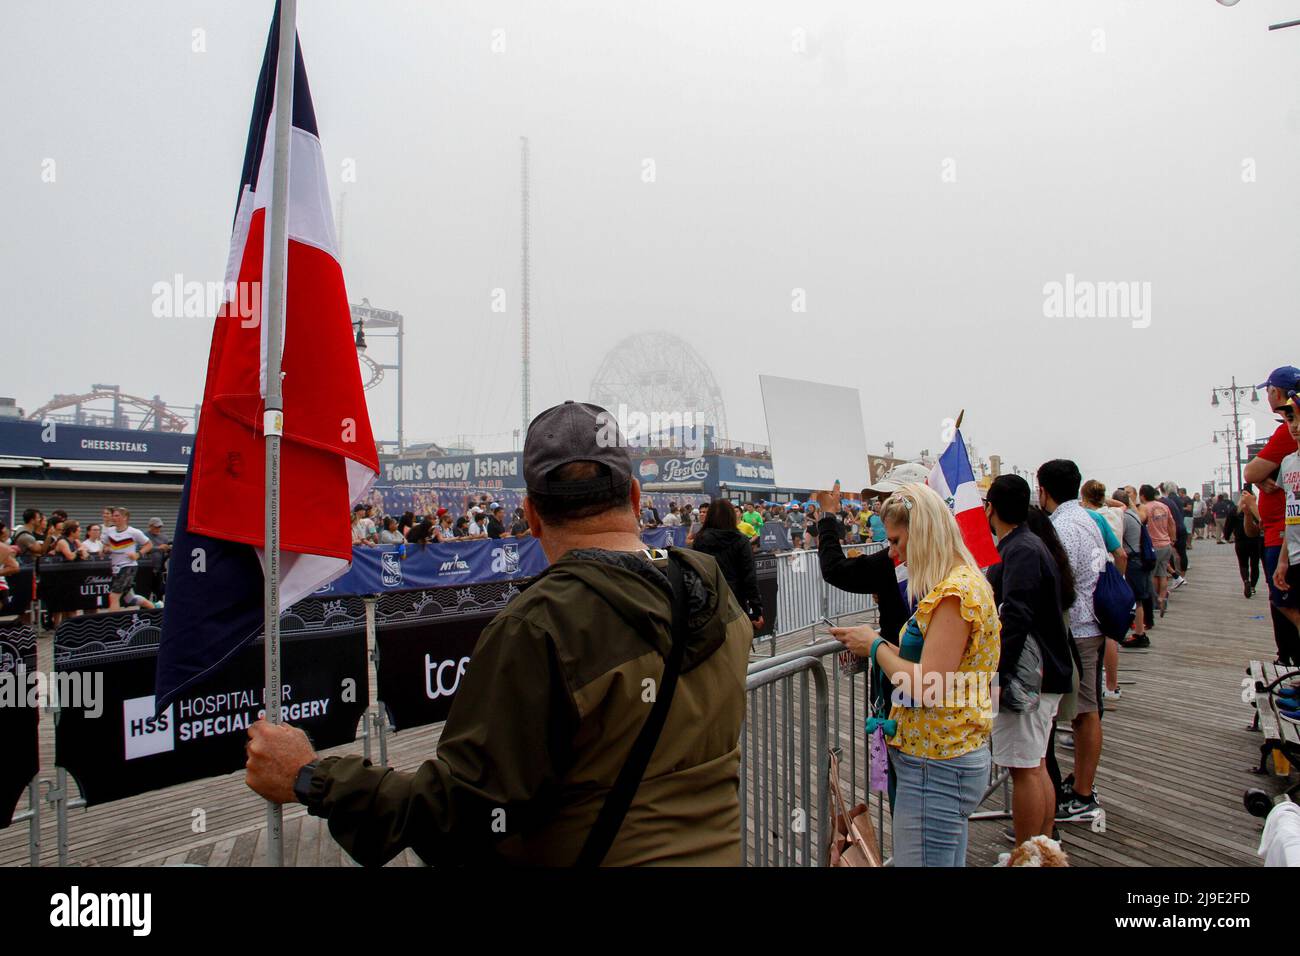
x=934 y=801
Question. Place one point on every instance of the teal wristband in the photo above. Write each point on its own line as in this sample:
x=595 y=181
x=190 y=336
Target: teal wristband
x=875 y=645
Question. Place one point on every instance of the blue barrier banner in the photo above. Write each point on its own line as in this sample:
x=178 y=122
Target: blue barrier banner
x=664 y=537
x=382 y=569
x=774 y=537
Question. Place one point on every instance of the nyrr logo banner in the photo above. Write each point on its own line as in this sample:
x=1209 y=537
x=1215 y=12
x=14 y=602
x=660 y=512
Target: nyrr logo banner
x=416 y=567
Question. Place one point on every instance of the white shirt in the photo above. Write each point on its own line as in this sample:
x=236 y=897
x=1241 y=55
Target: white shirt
x=1083 y=544
x=123 y=546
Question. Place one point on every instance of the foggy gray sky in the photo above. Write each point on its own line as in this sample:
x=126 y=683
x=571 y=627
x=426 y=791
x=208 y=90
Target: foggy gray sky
x=1115 y=156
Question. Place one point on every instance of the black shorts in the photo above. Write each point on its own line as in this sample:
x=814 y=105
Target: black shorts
x=123 y=581
x=1291 y=598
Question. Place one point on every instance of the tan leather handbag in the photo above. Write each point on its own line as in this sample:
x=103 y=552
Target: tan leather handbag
x=853 y=838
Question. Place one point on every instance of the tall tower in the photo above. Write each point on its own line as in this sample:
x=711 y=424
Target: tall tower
x=526 y=266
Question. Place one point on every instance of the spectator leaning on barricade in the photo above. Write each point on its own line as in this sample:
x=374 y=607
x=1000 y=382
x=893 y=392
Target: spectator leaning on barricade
x=1035 y=667
x=721 y=540
x=496 y=524
x=943 y=671
x=68 y=544
x=529 y=766
x=67 y=547
x=29 y=537
x=93 y=545
x=358 y=527
x=391 y=533
x=54 y=528
x=1262 y=471
x=1058 y=494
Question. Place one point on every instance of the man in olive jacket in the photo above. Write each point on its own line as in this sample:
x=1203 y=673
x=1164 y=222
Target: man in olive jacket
x=558 y=688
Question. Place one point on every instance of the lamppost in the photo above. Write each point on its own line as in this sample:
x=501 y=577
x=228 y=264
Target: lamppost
x=1231 y=439
x=1234 y=393
x=389 y=323
x=1272 y=26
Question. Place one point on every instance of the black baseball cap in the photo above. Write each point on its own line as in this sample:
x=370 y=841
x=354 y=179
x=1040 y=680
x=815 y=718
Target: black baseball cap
x=570 y=432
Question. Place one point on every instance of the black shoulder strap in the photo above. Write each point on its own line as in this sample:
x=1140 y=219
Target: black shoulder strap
x=620 y=797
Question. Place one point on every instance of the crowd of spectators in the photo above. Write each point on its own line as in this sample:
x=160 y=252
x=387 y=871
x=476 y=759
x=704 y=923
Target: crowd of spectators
x=57 y=539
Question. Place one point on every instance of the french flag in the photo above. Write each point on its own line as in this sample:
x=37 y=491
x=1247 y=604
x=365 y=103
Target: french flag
x=954 y=479
x=328 y=458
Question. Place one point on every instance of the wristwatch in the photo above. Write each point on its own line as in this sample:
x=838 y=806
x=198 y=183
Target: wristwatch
x=302 y=791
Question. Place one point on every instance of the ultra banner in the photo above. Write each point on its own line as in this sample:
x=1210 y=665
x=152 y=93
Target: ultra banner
x=83 y=585
x=19 y=714
x=378 y=570
x=116 y=746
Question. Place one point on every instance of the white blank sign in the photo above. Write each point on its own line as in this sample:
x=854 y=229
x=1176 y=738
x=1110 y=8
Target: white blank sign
x=816 y=434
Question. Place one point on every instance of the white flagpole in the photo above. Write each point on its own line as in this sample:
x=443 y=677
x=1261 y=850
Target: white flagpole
x=273 y=420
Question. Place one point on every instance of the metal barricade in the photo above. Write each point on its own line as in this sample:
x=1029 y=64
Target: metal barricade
x=804 y=598
x=32 y=817
x=800 y=591
x=776 y=795
x=785 y=780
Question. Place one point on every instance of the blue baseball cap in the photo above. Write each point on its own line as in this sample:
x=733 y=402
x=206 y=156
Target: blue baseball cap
x=1286 y=378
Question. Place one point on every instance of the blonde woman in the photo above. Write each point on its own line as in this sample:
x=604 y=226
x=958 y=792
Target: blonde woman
x=942 y=669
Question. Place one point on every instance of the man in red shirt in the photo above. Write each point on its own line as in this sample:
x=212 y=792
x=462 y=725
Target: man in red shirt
x=1262 y=470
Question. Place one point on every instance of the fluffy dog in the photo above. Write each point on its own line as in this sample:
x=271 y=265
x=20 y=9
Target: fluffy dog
x=1038 y=851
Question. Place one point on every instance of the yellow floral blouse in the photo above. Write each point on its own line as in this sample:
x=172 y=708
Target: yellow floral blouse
x=935 y=727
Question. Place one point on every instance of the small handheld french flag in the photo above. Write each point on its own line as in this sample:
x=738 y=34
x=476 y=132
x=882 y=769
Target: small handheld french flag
x=954 y=480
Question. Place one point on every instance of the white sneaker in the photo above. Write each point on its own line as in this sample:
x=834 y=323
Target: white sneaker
x=1178 y=582
x=1112 y=694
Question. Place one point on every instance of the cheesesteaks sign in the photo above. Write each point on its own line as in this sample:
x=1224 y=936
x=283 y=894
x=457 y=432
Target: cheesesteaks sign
x=18 y=717
x=130 y=748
